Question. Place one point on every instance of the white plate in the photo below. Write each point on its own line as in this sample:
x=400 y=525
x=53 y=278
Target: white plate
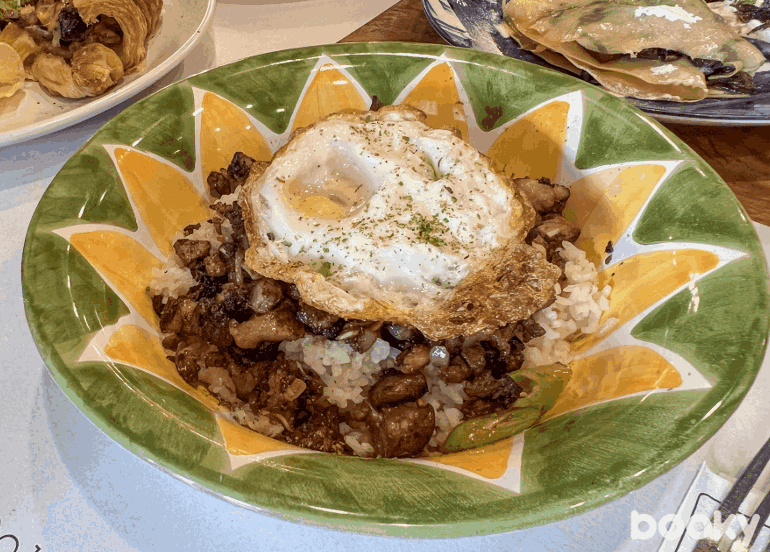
x=36 y=113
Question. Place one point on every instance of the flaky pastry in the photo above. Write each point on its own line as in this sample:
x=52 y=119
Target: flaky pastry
x=132 y=21
x=11 y=71
x=94 y=69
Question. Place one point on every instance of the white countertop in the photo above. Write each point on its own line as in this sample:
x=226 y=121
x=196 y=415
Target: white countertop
x=65 y=486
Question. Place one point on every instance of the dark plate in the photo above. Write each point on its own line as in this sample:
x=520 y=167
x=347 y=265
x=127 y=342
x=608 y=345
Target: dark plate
x=477 y=24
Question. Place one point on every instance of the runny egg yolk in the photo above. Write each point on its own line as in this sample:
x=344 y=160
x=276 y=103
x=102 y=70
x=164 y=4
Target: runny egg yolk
x=324 y=194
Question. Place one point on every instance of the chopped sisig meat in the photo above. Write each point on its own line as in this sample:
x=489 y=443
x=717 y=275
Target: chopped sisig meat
x=475 y=356
x=475 y=408
x=495 y=360
x=208 y=286
x=482 y=385
x=190 y=313
x=557 y=229
x=245 y=382
x=229 y=252
x=320 y=432
x=293 y=292
x=218 y=183
x=362 y=411
x=170 y=342
x=158 y=303
x=545 y=197
x=190 y=251
x=215 y=324
x=277 y=325
x=316 y=320
x=454 y=344
x=525 y=331
x=395 y=387
x=216 y=265
x=189 y=359
x=169 y=322
x=285 y=383
x=359 y=335
x=403 y=430
x=234 y=301
x=413 y=359
x=401 y=337
x=279 y=392
x=215 y=358
x=187 y=366
x=234 y=214
x=190 y=228
x=226 y=181
x=486 y=386
x=515 y=360
x=457 y=371
x=180 y=316
x=265 y=351
x=239 y=167
x=265 y=295
x=551 y=231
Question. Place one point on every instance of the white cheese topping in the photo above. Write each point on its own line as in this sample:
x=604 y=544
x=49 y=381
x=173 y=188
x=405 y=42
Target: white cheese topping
x=383 y=207
x=671 y=13
x=663 y=69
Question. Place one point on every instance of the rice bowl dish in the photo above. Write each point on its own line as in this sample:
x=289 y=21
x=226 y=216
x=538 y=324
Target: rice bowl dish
x=682 y=338
x=337 y=356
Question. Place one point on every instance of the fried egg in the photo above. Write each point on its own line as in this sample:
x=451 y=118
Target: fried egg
x=377 y=216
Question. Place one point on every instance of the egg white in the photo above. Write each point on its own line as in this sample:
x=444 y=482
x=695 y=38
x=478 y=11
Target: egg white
x=384 y=206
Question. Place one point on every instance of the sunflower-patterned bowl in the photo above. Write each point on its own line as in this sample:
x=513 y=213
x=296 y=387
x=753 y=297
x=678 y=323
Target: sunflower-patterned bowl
x=689 y=296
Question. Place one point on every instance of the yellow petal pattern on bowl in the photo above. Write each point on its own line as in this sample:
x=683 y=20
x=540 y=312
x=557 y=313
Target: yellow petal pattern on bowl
x=605 y=204
x=226 y=129
x=165 y=209
x=532 y=145
x=643 y=280
x=612 y=374
x=330 y=91
x=125 y=263
x=490 y=461
x=436 y=94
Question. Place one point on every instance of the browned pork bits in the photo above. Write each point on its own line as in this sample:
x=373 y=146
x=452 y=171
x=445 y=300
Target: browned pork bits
x=229 y=325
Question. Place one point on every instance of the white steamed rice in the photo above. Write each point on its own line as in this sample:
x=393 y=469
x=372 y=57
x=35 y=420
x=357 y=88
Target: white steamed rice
x=578 y=309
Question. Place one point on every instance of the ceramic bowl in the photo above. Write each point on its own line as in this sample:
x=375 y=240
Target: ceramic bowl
x=689 y=288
